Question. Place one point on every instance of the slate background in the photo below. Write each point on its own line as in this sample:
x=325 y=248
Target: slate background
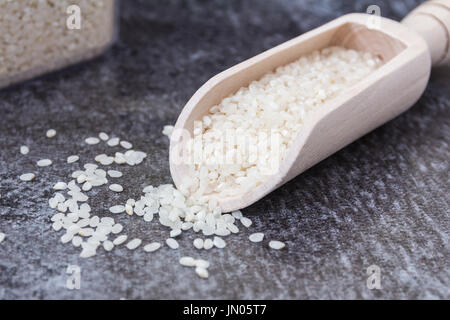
x=382 y=200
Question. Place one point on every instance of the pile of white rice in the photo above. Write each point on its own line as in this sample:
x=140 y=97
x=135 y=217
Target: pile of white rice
x=243 y=139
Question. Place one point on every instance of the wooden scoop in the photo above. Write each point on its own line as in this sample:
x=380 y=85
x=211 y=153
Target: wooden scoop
x=407 y=50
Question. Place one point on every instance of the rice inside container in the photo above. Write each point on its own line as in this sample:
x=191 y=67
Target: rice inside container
x=35 y=37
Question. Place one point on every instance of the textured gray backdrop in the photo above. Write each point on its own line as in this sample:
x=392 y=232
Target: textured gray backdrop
x=383 y=200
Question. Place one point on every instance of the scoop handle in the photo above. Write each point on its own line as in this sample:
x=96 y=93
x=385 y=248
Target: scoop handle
x=432 y=21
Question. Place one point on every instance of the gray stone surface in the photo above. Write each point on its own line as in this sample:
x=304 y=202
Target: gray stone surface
x=382 y=200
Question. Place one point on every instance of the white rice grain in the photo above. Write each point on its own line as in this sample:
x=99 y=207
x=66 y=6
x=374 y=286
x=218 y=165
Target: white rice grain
x=24 y=150
x=113 y=142
x=256 y=237
x=119 y=158
x=108 y=245
x=27 y=177
x=232 y=228
x=126 y=144
x=167 y=130
x=148 y=217
x=89 y=250
x=277 y=245
x=117 y=209
x=246 y=222
x=66 y=237
x=117 y=228
x=187 y=261
x=72 y=159
x=84 y=222
x=59 y=197
x=57 y=225
x=86 y=232
x=202 y=272
x=151 y=247
x=51 y=133
x=60 y=186
x=116 y=187
x=92 y=140
x=172 y=243
x=103 y=136
x=133 y=244
x=53 y=203
x=114 y=173
x=86 y=186
x=90 y=166
x=129 y=210
x=202 y=263
x=198 y=243
x=100 y=173
x=175 y=232
x=208 y=244
x=107 y=221
x=186 y=226
x=77 y=173
x=107 y=161
x=94 y=221
x=100 y=157
x=120 y=239
x=44 y=163
x=237 y=214
x=76 y=241
x=219 y=242
x=81 y=178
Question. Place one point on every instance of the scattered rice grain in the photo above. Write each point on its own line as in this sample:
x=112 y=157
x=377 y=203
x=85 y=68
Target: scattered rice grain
x=246 y=222
x=114 y=173
x=133 y=244
x=24 y=150
x=126 y=144
x=86 y=186
x=219 y=242
x=103 y=136
x=116 y=187
x=277 y=245
x=167 y=130
x=202 y=263
x=120 y=239
x=208 y=244
x=60 y=186
x=51 y=133
x=256 y=237
x=92 y=140
x=72 y=159
x=117 y=228
x=172 y=243
x=113 y=142
x=108 y=245
x=117 y=209
x=44 y=163
x=175 y=232
x=151 y=247
x=202 y=272
x=187 y=261
x=27 y=177
x=198 y=243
